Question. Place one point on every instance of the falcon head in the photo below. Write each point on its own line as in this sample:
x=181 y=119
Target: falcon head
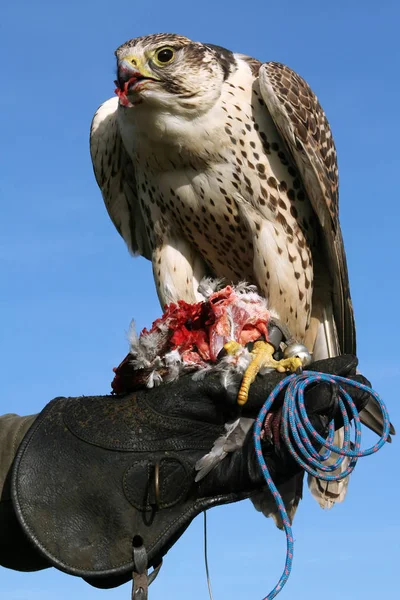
x=170 y=71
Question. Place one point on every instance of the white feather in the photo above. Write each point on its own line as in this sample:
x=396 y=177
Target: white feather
x=132 y=336
x=231 y=440
x=201 y=373
x=150 y=344
x=173 y=362
x=154 y=379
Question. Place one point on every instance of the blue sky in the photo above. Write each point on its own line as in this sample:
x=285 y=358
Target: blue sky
x=69 y=288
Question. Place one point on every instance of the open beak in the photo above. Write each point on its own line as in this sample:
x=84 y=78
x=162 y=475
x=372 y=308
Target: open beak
x=130 y=74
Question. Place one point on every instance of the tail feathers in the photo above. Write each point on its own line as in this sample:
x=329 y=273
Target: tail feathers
x=327 y=493
x=326 y=345
x=371 y=416
x=291 y=492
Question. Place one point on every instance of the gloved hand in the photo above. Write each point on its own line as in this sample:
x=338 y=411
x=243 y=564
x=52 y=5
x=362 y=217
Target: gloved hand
x=240 y=469
x=121 y=468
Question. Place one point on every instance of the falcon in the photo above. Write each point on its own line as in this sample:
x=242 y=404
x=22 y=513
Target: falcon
x=214 y=164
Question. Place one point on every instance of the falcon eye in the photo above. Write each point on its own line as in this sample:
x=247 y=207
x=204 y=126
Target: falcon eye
x=164 y=56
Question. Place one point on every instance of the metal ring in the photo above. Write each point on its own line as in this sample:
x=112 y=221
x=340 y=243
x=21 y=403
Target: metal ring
x=157 y=483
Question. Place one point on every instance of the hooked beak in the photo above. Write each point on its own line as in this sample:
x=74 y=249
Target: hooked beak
x=130 y=75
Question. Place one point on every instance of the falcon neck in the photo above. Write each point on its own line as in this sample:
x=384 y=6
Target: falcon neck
x=157 y=137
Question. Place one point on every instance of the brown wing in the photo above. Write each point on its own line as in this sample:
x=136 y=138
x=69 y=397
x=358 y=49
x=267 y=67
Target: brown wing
x=304 y=127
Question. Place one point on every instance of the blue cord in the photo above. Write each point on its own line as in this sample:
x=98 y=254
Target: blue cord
x=298 y=432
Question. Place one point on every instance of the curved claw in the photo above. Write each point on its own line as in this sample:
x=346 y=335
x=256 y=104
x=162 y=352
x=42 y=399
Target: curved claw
x=262 y=357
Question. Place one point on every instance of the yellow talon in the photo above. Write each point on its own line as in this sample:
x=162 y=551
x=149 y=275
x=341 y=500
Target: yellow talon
x=262 y=357
x=232 y=347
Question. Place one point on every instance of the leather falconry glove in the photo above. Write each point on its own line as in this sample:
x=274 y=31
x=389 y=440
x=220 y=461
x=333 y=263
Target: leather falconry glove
x=97 y=477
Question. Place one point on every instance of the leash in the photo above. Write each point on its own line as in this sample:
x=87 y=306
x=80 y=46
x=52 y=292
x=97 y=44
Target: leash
x=298 y=432
x=206 y=557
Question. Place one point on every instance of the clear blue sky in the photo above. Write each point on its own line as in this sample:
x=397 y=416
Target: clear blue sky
x=69 y=287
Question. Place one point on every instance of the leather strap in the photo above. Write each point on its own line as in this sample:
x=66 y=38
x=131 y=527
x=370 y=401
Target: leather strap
x=141 y=579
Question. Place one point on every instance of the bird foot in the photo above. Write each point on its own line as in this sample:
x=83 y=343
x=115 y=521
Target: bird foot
x=262 y=357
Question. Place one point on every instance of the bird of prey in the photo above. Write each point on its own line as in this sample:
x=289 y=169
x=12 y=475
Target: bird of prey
x=212 y=163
